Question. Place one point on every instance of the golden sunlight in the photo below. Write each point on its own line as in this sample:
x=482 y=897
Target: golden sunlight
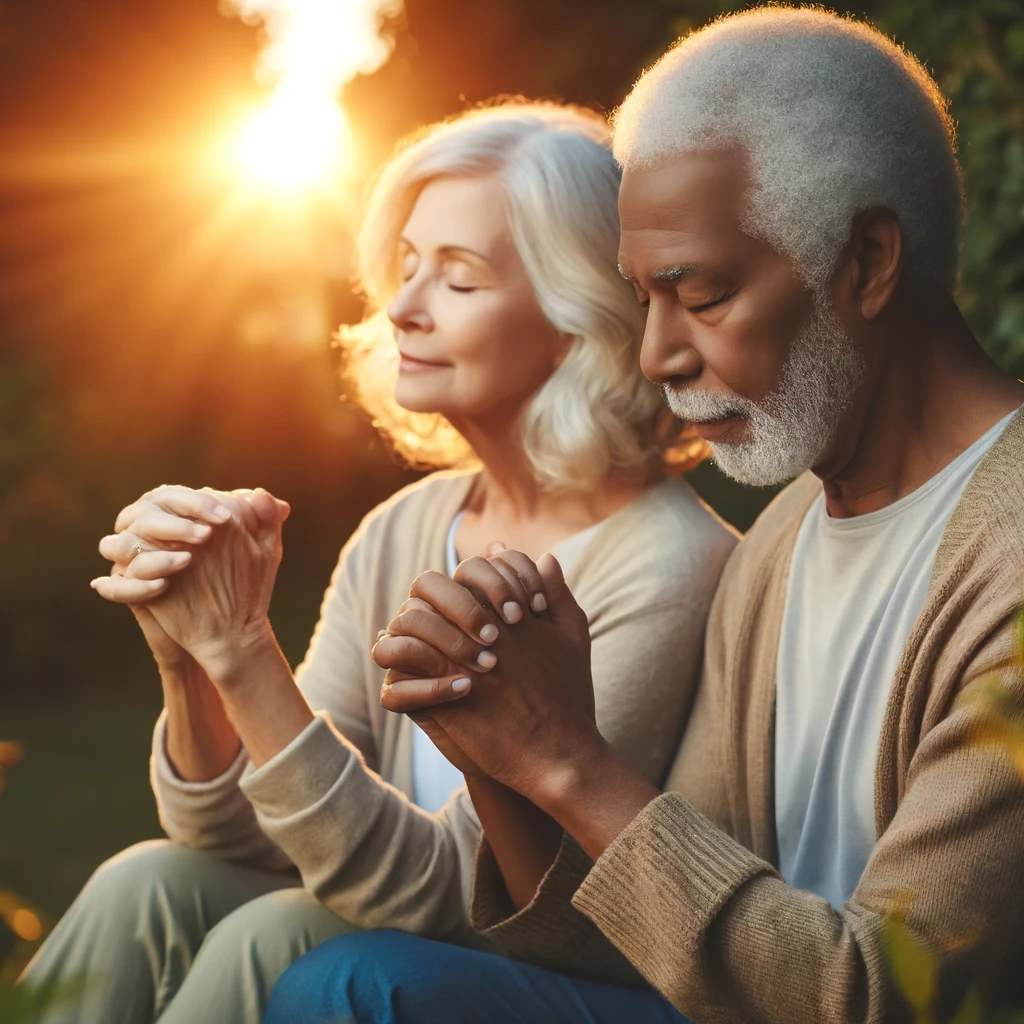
x=294 y=144
x=299 y=141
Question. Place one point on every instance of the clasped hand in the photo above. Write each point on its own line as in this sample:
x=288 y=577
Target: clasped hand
x=222 y=551
x=495 y=666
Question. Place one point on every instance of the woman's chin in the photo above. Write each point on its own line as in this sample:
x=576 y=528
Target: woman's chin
x=414 y=396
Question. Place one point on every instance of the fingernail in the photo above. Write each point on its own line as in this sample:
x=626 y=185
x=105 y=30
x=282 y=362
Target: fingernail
x=179 y=557
x=461 y=685
x=512 y=611
x=201 y=530
x=539 y=603
x=382 y=633
x=222 y=513
x=92 y=583
x=486 y=659
x=489 y=633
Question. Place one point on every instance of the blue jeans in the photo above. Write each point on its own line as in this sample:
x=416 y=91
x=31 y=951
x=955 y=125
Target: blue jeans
x=385 y=977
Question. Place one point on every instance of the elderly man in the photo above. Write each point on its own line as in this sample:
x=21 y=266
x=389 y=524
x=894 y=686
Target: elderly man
x=790 y=213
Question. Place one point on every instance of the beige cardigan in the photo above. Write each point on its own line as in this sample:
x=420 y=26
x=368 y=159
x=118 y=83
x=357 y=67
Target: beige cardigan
x=336 y=802
x=688 y=892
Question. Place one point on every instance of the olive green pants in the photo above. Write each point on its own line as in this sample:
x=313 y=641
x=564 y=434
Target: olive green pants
x=165 y=931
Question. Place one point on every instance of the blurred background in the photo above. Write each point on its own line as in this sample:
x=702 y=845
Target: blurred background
x=179 y=184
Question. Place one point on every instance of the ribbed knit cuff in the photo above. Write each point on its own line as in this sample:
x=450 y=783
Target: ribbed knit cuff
x=166 y=778
x=492 y=911
x=548 y=931
x=670 y=863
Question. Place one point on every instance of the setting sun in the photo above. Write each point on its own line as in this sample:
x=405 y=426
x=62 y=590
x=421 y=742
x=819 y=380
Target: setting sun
x=294 y=144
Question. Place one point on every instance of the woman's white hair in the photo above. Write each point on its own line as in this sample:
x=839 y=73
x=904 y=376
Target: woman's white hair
x=596 y=414
x=834 y=118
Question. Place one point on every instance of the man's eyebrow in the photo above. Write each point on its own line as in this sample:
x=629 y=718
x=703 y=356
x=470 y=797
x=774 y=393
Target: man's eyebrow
x=673 y=275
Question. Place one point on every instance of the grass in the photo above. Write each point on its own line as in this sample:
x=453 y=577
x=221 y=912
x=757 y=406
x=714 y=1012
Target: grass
x=80 y=794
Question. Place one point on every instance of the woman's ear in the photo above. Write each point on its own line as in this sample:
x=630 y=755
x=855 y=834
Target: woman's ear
x=873 y=263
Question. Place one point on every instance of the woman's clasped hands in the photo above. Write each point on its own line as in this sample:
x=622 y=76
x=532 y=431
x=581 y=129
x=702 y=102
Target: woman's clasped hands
x=197 y=568
x=494 y=664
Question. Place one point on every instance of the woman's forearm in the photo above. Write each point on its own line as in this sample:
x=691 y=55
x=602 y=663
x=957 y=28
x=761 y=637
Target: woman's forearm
x=260 y=697
x=201 y=742
x=523 y=839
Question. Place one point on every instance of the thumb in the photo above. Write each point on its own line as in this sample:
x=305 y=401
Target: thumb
x=562 y=606
x=269 y=510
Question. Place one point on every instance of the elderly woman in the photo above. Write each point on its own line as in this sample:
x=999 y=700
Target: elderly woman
x=501 y=340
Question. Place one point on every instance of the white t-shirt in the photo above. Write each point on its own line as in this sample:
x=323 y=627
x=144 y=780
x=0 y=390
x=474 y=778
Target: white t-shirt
x=434 y=777
x=856 y=587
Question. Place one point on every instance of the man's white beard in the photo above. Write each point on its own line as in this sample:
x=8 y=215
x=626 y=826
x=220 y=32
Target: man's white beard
x=792 y=429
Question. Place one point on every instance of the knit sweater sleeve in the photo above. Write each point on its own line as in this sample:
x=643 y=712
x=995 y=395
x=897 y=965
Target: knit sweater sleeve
x=670 y=632
x=361 y=846
x=717 y=931
x=215 y=815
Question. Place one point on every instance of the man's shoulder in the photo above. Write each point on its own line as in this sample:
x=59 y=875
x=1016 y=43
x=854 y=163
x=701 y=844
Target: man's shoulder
x=987 y=525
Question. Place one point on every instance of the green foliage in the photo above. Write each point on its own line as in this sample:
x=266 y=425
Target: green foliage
x=25 y=1004
x=976 y=52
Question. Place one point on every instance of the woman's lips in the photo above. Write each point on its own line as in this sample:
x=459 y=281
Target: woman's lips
x=718 y=430
x=410 y=364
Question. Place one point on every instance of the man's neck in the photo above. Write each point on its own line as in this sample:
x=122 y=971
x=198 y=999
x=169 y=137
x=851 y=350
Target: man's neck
x=931 y=393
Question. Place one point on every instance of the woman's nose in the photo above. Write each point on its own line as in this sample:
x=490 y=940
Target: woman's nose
x=407 y=310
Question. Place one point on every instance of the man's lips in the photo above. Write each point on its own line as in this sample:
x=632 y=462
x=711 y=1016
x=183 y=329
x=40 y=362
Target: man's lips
x=717 y=430
x=411 y=364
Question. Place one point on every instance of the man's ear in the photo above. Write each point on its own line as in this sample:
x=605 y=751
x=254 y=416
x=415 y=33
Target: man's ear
x=873 y=263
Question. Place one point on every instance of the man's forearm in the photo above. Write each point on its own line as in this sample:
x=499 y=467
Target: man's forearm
x=523 y=839
x=201 y=742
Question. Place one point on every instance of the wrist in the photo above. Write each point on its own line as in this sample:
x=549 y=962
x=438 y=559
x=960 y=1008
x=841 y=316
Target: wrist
x=230 y=660
x=183 y=673
x=558 y=781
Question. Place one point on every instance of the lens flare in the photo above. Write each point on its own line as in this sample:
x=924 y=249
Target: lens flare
x=300 y=139
x=293 y=144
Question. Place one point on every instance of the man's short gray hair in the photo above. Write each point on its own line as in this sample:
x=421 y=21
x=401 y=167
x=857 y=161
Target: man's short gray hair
x=834 y=119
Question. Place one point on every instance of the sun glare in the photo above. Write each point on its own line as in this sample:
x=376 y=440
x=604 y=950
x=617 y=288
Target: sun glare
x=300 y=141
x=295 y=144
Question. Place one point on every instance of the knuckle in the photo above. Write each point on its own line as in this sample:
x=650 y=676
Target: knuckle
x=423 y=582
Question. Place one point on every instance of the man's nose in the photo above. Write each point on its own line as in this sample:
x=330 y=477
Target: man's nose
x=667 y=352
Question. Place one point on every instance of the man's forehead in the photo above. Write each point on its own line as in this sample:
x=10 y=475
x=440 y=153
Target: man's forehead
x=684 y=192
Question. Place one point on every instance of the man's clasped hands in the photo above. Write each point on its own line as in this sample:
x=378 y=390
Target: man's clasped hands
x=494 y=664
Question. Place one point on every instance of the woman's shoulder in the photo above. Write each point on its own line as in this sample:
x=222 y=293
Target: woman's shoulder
x=659 y=546
x=405 y=533
x=670 y=523
x=420 y=506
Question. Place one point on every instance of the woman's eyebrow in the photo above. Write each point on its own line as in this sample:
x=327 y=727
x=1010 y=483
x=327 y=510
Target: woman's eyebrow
x=462 y=250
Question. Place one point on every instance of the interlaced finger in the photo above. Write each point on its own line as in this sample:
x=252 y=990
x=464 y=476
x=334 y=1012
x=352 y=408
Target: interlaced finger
x=433 y=628
x=501 y=591
x=457 y=604
x=187 y=502
x=410 y=655
x=155 y=526
x=122 y=590
x=155 y=565
x=405 y=695
x=525 y=570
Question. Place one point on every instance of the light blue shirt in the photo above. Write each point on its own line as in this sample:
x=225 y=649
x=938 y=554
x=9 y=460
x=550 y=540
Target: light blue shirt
x=856 y=586
x=434 y=777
